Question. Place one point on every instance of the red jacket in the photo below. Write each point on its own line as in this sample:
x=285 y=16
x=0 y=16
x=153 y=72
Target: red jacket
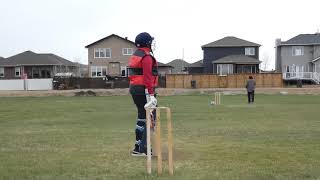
x=143 y=70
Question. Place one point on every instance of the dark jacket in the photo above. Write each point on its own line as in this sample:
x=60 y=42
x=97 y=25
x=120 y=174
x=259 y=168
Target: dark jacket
x=251 y=85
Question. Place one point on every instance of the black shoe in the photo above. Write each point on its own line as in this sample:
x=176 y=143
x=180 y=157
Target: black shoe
x=136 y=148
x=138 y=154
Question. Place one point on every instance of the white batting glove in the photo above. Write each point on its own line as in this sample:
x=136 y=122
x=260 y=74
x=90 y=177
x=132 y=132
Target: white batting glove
x=152 y=103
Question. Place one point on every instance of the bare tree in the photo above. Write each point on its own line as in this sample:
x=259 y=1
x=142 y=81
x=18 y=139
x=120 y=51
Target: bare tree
x=77 y=60
x=265 y=61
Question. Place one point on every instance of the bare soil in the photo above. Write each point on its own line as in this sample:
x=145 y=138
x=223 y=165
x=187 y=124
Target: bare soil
x=161 y=92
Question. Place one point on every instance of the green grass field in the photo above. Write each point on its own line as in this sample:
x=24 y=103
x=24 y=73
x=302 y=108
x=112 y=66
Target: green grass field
x=90 y=138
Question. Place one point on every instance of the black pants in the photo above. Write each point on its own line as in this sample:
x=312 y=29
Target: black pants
x=140 y=101
x=141 y=132
x=251 y=97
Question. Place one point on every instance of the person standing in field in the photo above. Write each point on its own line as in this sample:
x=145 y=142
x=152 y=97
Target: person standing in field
x=251 y=85
x=143 y=76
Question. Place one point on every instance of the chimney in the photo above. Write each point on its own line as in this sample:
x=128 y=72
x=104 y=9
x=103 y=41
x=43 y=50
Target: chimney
x=278 y=42
x=126 y=38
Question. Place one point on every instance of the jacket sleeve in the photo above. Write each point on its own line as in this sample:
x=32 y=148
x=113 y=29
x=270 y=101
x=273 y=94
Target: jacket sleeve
x=147 y=63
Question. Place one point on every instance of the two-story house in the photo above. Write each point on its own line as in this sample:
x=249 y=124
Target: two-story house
x=231 y=55
x=109 y=56
x=299 y=57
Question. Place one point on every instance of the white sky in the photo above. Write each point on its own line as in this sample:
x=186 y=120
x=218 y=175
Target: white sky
x=64 y=27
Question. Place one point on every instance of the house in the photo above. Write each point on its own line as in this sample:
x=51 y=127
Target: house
x=2 y=64
x=109 y=56
x=231 y=55
x=83 y=70
x=195 y=68
x=299 y=57
x=164 y=69
x=178 y=65
x=32 y=65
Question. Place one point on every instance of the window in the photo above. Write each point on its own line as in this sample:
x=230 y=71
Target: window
x=1 y=72
x=246 y=69
x=127 y=51
x=35 y=72
x=249 y=51
x=224 y=69
x=293 y=68
x=17 y=72
x=124 y=71
x=98 y=71
x=297 y=51
x=102 y=53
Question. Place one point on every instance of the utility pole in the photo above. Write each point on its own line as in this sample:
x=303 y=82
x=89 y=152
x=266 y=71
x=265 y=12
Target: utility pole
x=182 y=60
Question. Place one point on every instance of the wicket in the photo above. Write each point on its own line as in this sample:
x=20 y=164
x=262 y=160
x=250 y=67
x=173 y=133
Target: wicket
x=217 y=98
x=158 y=140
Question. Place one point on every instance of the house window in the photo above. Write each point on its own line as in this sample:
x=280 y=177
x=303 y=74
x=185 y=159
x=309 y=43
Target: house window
x=249 y=51
x=246 y=69
x=224 y=69
x=127 y=51
x=102 y=53
x=124 y=71
x=1 y=72
x=297 y=51
x=98 y=71
x=35 y=72
x=17 y=72
x=293 y=68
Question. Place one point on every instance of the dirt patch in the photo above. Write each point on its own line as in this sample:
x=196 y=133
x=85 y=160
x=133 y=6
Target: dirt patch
x=161 y=92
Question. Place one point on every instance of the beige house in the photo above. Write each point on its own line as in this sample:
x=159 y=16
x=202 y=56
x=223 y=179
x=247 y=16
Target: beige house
x=109 y=56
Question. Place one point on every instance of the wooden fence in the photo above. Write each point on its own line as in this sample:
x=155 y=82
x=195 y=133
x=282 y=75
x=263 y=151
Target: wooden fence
x=216 y=81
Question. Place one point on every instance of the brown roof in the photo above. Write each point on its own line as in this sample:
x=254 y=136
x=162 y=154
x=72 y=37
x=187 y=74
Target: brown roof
x=29 y=58
x=237 y=59
x=231 y=41
x=112 y=35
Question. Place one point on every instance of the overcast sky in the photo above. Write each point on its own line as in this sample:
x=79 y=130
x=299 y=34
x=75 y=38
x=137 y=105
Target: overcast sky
x=65 y=27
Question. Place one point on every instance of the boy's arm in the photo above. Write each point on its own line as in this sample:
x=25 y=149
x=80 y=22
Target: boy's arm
x=147 y=73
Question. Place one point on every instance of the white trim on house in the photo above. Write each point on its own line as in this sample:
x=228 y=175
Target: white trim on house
x=17 y=71
x=309 y=44
x=297 y=50
x=102 y=53
x=123 y=68
x=1 y=71
x=316 y=59
x=98 y=71
x=249 y=51
x=224 y=69
x=127 y=51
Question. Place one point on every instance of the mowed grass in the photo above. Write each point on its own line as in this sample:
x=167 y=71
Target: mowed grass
x=90 y=138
